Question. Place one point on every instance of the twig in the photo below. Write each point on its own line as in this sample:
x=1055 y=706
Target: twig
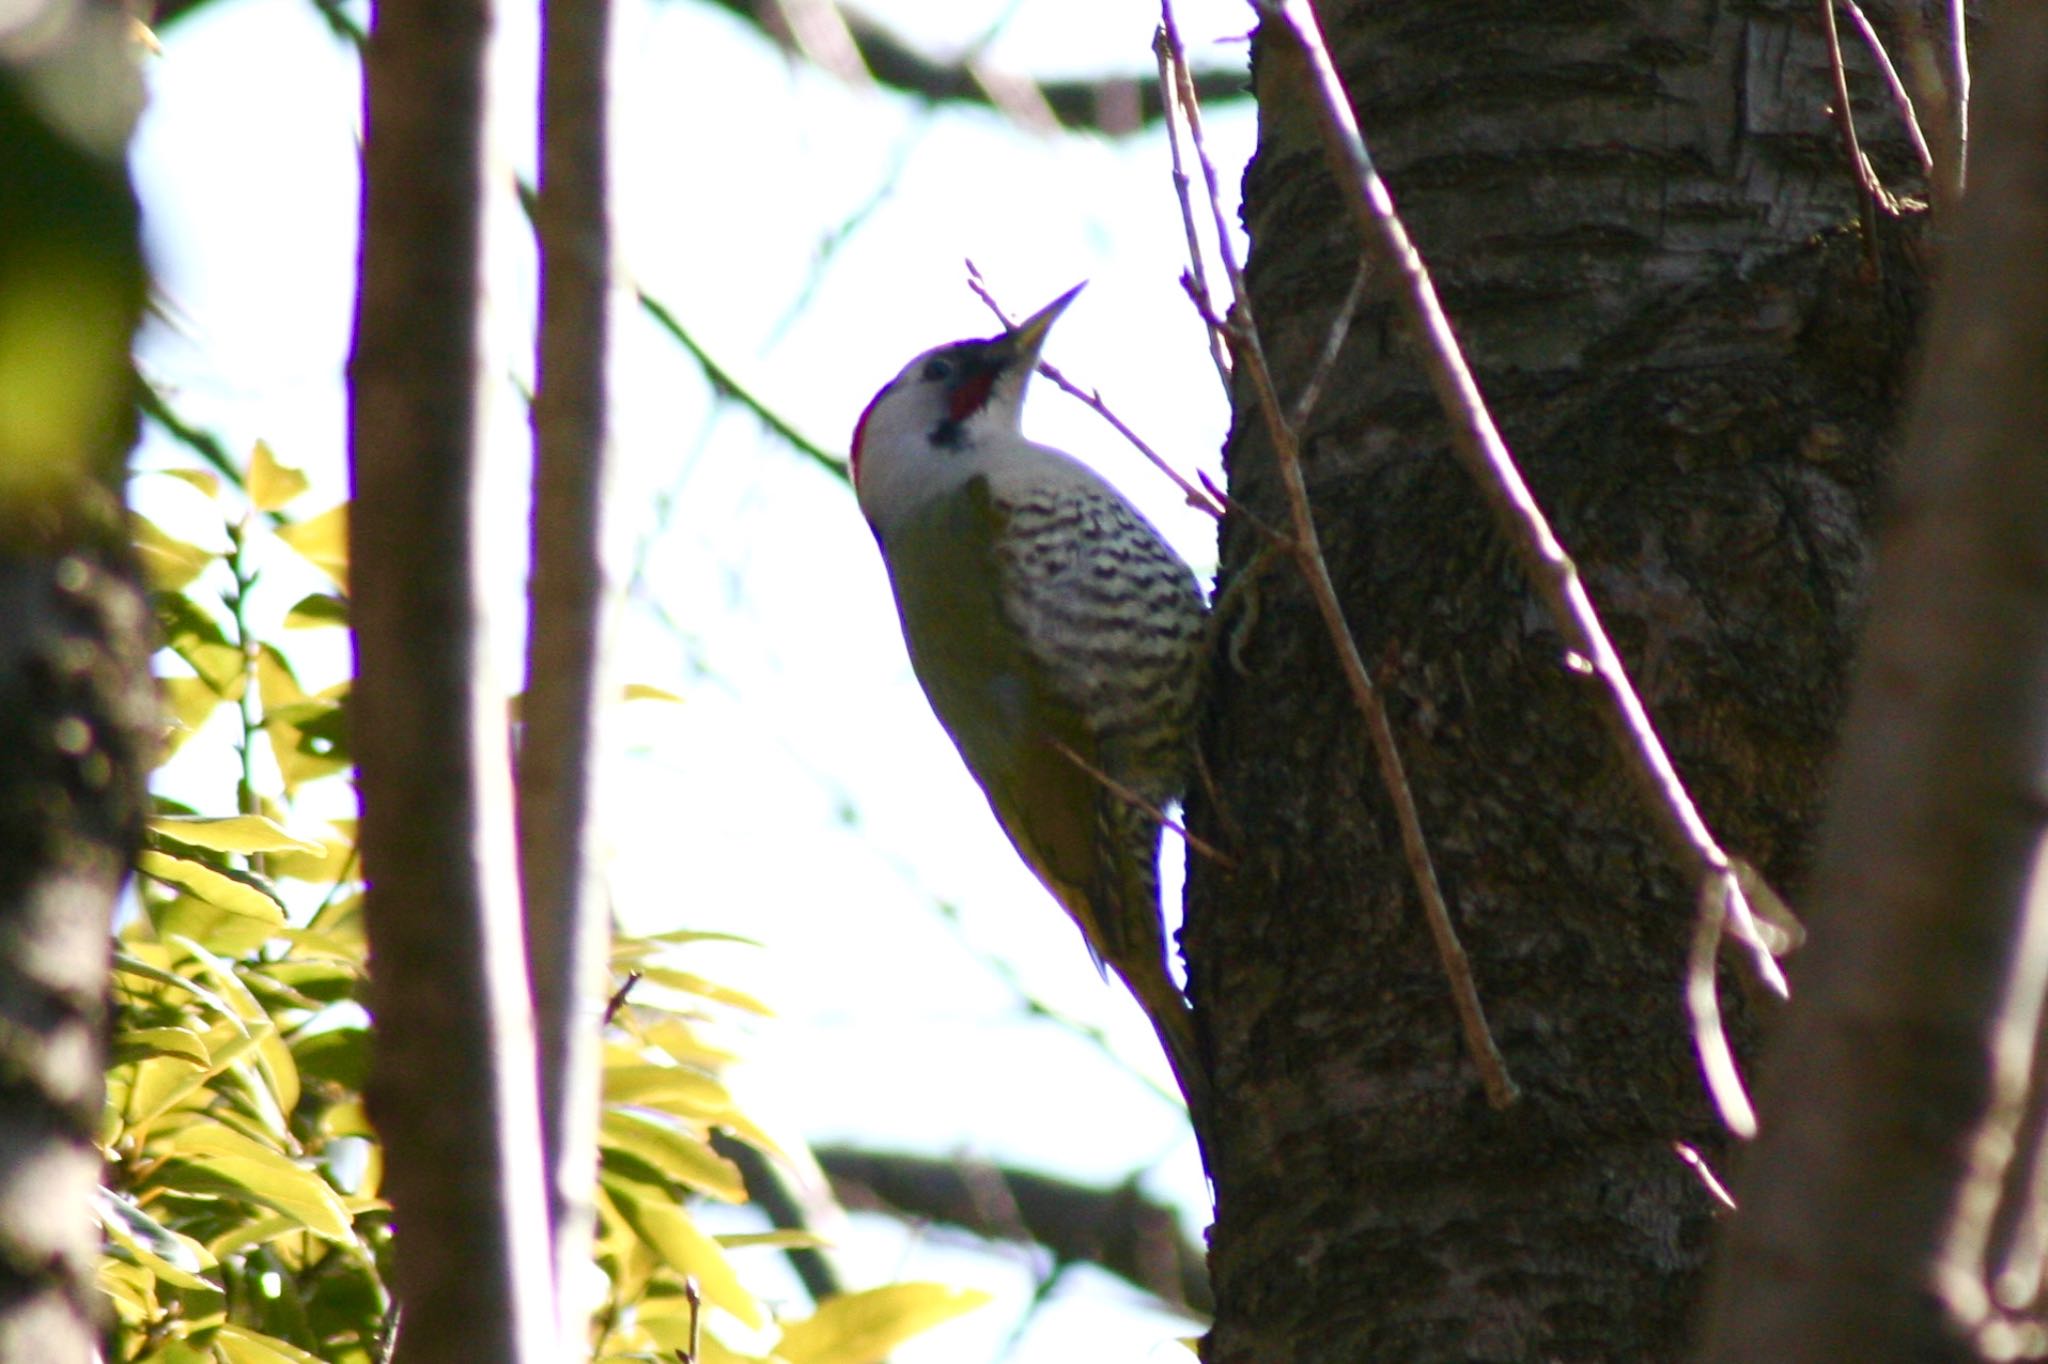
x=1199 y=286
x=1196 y=497
x=722 y=380
x=1901 y=100
x=694 y=1296
x=1138 y=802
x=1340 y=327
x=1478 y=445
x=1501 y=1090
x=1845 y=122
x=1707 y=1177
x=1192 y=109
x=618 y=999
x=1958 y=99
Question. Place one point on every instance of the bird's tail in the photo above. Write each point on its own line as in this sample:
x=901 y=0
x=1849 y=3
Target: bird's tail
x=1133 y=941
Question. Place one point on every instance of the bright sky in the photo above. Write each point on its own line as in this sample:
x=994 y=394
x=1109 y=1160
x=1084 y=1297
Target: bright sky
x=811 y=236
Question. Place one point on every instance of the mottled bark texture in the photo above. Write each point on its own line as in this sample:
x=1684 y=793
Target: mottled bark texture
x=453 y=1087
x=77 y=711
x=1877 y=1081
x=1642 y=227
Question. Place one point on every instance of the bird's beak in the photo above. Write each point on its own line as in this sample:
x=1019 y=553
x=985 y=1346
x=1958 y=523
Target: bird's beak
x=1027 y=337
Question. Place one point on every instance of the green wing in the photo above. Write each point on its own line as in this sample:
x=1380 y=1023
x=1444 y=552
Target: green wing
x=1002 y=709
x=1011 y=719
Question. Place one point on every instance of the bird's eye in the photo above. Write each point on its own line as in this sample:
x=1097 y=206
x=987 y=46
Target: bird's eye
x=938 y=369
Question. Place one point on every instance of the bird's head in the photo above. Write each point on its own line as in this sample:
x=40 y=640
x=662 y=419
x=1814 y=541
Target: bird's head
x=944 y=404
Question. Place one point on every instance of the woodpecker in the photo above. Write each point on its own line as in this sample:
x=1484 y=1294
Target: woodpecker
x=1057 y=636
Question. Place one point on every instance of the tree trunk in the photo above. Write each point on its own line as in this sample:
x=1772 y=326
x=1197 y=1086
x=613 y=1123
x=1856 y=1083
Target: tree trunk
x=77 y=709
x=1642 y=227
x=453 y=1088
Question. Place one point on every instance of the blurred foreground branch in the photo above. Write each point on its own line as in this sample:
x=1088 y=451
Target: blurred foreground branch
x=1116 y=1227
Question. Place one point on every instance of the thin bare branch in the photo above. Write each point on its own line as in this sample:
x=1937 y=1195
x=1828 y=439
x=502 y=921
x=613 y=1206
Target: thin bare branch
x=1478 y=445
x=1958 y=99
x=1901 y=100
x=1138 y=802
x=1845 y=122
x=620 y=996
x=1242 y=332
x=1340 y=327
x=727 y=386
x=1196 y=497
x=1198 y=283
x=1708 y=1179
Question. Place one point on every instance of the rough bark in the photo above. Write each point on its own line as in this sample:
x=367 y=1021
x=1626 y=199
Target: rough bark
x=77 y=710
x=1882 y=1071
x=1641 y=225
x=569 y=686
x=452 y=1087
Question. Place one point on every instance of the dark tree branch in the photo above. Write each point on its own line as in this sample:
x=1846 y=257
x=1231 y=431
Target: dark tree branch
x=1106 y=104
x=1117 y=1228
x=1110 y=104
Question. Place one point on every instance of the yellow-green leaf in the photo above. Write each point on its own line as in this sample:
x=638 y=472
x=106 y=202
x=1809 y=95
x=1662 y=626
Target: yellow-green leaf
x=235 y=935
x=220 y=665
x=299 y=767
x=137 y=966
x=780 y=1240
x=245 y=1234
x=328 y=865
x=641 y=691
x=216 y=888
x=680 y=1155
x=685 y=1044
x=672 y=1089
x=216 y=1151
x=276 y=683
x=168 y=562
x=323 y=542
x=861 y=1328
x=191 y=702
x=179 y=1350
x=240 y=1345
x=690 y=983
x=317 y=609
x=180 y=1043
x=280 y=1073
x=683 y=936
x=161 y=1084
x=270 y=483
x=172 y=1256
x=668 y=1231
x=234 y=834
x=207 y=483
x=131 y=1288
